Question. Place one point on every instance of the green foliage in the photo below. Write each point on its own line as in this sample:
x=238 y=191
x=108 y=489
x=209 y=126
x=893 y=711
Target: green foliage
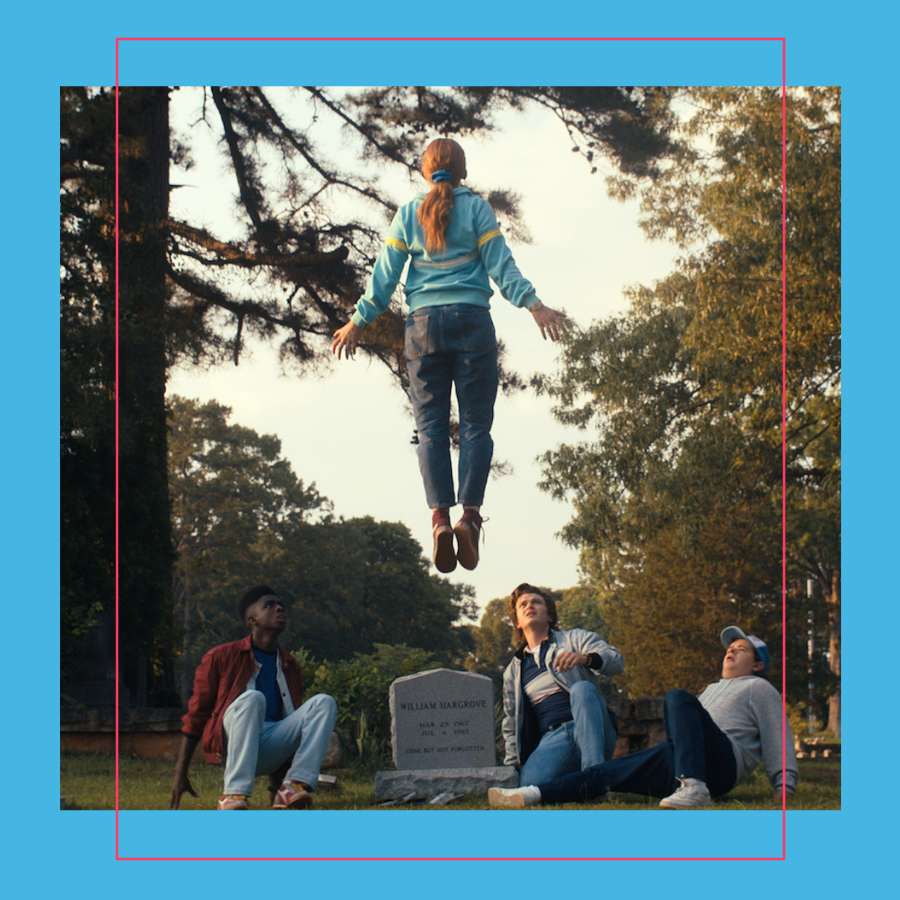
x=798 y=719
x=357 y=583
x=242 y=517
x=236 y=503
x=580 y=607
x=361 y=689
x=626 y=124
x=493 y=642
x=676 y=490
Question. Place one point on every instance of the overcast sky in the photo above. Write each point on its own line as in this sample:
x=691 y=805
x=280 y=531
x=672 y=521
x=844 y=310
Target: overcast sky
x=349 y=430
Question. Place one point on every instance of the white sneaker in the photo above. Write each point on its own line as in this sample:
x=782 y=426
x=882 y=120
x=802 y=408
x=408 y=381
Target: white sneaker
x=691 y=794
x=513 y=798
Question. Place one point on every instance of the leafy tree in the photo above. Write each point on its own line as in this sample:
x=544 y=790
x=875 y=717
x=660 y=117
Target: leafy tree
x=579 y=607
x=677 y=500
x=492 y=642
x=235 y=503
x=666 y=609
x=357 y=583
x=288 y=270
x=242 y=517
x=814 y=546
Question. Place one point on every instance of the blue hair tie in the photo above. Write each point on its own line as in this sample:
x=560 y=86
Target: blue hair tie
x=441 y=175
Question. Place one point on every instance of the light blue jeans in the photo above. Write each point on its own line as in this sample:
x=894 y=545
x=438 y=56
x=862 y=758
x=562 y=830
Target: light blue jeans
x=448 y=346
x=257 y=747
x=588 y=740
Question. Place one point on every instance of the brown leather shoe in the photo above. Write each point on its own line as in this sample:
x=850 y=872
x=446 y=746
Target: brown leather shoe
x=444 y=554
x=467 y=531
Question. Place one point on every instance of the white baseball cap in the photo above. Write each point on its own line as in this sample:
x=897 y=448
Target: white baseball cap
x=733 y=633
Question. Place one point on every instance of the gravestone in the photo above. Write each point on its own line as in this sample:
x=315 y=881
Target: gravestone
x=443 y=735
x=443 y=719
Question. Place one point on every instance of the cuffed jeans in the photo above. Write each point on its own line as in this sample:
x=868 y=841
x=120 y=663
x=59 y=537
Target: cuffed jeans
x=444 y=346
x=257 y=747
x=695 y=747
x=586 y=741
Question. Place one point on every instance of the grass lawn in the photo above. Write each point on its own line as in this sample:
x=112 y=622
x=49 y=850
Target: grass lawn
x=87 y=781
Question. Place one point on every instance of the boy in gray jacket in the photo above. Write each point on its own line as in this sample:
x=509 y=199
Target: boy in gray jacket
x=714 y=742
x=555 y=718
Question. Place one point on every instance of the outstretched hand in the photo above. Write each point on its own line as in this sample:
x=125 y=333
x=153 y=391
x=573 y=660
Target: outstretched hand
x=345 y=339
x=182 y=784
x=551 y=322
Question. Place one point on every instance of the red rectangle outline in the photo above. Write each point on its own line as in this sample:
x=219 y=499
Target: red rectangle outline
x=783 y=856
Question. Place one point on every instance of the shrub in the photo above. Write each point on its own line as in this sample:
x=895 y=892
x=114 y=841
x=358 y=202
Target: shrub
x=360 y=687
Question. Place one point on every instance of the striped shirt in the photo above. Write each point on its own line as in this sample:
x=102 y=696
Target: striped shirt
x=548 y=700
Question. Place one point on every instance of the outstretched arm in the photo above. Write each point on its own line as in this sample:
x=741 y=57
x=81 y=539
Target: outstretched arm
x=379 y=288
x=345 y=339
x=552 y=322
x=182 y=782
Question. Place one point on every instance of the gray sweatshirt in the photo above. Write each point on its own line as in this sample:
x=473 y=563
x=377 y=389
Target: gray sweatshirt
x=749 y=710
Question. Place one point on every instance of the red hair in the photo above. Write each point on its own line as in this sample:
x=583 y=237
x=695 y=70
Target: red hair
x=434 y=213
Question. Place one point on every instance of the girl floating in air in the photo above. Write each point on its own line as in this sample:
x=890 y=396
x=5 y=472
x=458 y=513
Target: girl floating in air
x=454 y=244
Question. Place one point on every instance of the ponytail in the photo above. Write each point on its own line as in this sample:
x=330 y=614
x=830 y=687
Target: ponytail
x=444 y=164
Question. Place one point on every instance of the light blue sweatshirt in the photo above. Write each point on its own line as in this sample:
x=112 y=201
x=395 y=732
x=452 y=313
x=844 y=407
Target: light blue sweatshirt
x=459 y=274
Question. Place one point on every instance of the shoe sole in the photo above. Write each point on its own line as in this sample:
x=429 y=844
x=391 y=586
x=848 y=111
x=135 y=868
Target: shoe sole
x=304 y=801
x=444 y=554
x=664 y=805
x=502 y=801
x=467 y=552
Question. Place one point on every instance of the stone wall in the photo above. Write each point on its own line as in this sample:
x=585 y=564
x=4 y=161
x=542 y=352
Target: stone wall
x=640 y=723
x=148 y=733
x=156 y=733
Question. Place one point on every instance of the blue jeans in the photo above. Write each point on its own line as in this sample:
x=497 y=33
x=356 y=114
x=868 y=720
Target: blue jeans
x=445 y=346
x=257 y=747
x=695 y=747
x=586 y=741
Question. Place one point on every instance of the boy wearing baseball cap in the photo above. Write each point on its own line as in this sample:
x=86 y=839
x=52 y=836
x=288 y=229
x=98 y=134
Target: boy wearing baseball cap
x=713 y=742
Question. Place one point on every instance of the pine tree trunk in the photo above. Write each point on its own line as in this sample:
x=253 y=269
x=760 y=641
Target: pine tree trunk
x=145 y=540
x=187 y=666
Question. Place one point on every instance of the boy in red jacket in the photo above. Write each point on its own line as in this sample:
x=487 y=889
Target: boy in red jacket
x=248 y=709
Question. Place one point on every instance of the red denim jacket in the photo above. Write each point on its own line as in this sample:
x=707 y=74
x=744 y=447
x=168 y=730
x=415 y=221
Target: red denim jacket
x=221 y=677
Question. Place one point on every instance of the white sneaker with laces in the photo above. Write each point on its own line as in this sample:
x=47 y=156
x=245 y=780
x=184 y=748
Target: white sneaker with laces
x=514 y=798
x=691 y=794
